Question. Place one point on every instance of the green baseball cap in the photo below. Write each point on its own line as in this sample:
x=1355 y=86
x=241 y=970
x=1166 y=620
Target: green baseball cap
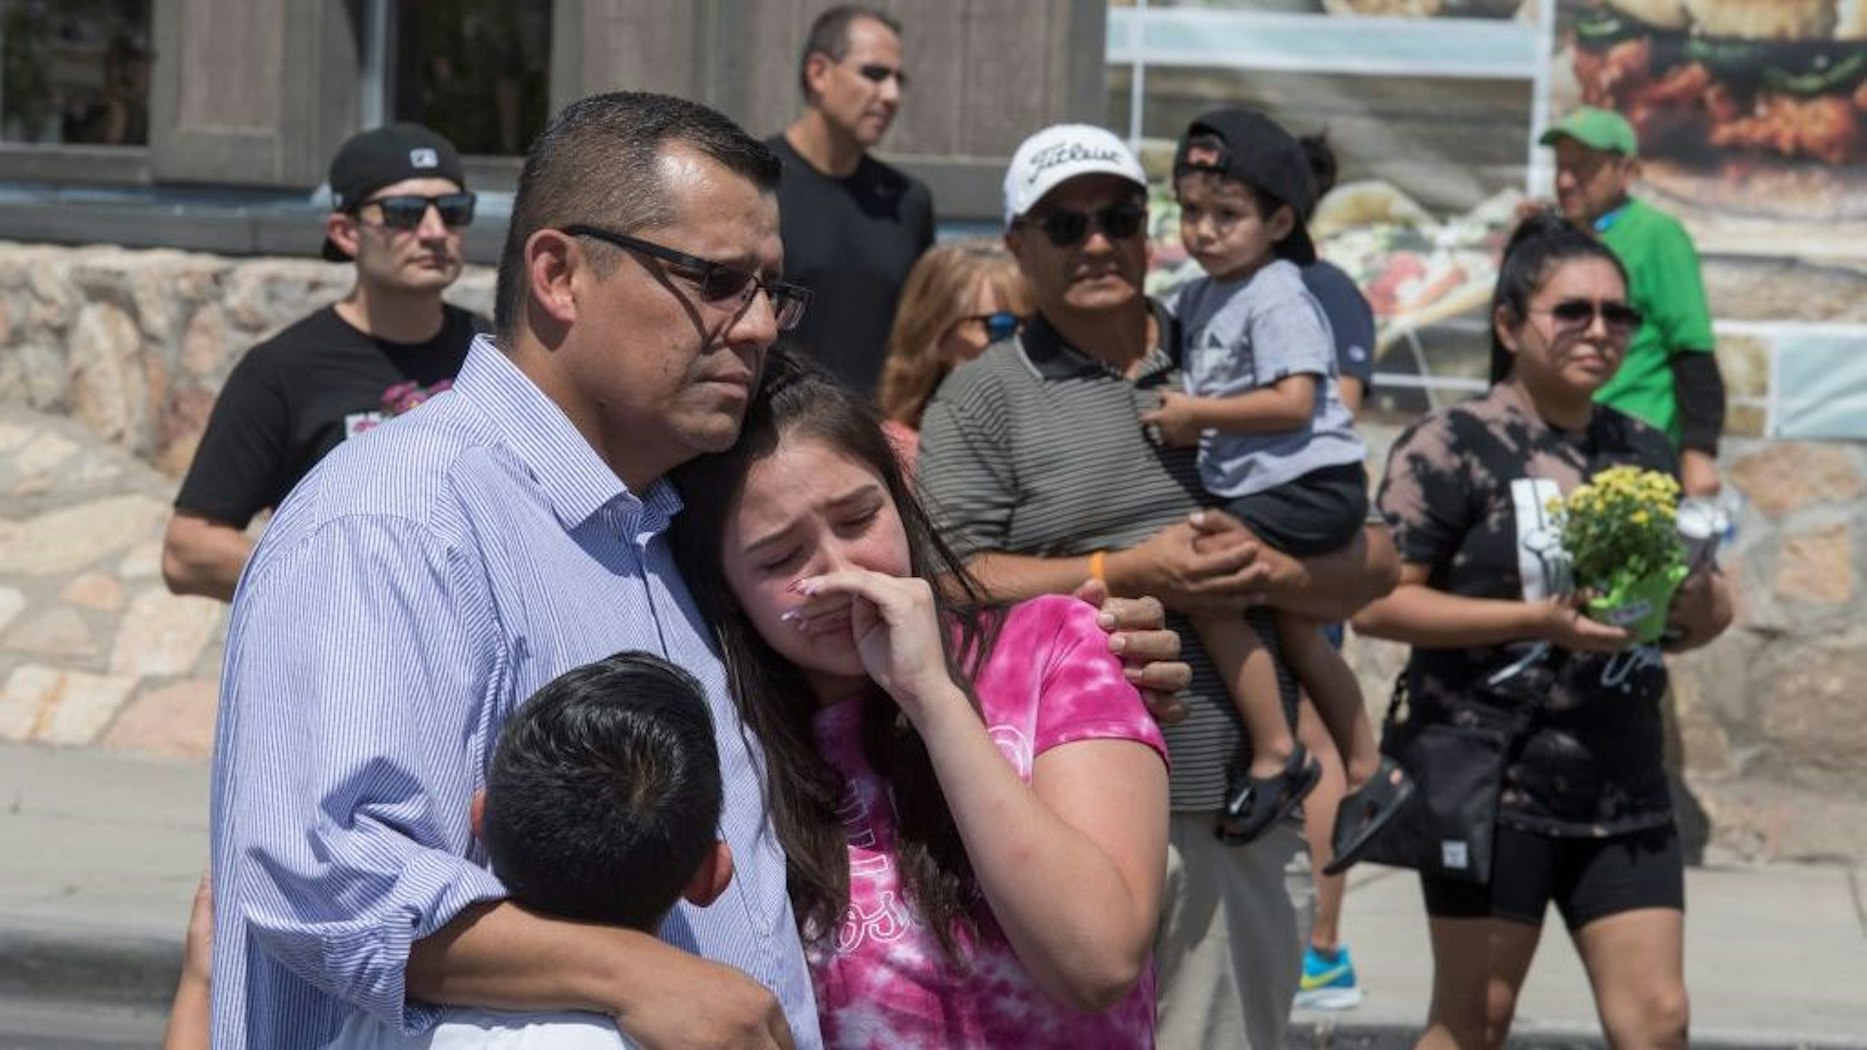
x=1601 y=129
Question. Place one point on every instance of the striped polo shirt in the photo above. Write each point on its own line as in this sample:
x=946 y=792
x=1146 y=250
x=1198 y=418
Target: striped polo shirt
x=1036 y=448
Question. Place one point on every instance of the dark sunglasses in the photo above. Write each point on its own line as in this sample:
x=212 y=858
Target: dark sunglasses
x=718 y=283
x=876 y=73
x=998 y=325
x=1577 y=315
x=1068 y=228
x=404 y=211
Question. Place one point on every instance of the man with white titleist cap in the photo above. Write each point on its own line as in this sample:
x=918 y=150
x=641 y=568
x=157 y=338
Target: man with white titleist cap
x=1044 y=477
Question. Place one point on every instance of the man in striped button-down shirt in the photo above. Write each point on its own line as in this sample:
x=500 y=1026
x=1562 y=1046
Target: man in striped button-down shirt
x=426 y=577
x=429 y=575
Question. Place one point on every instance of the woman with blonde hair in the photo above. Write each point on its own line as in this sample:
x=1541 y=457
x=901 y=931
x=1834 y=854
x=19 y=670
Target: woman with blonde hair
x=960 y=298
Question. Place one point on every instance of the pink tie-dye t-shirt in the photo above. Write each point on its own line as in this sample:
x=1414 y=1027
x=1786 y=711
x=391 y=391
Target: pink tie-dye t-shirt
x=883 y=980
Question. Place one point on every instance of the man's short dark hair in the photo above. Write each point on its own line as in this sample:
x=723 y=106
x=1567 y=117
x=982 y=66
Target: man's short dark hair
x=829 y=35
x=597 y=163
x=604 y=793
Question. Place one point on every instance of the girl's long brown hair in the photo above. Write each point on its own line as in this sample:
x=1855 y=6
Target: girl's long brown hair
x=939 y=291
x=802 y=789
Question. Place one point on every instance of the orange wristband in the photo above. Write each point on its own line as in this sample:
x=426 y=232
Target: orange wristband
x=1097 y=562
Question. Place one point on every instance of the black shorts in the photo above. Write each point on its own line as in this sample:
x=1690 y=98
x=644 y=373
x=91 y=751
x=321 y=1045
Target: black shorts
x=1587 y=879
x=1316 y=513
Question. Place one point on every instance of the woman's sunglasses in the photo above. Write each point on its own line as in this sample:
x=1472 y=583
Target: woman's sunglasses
x=998 y=326
x=1573 y=316
x=404 y=211
x=1066 y=228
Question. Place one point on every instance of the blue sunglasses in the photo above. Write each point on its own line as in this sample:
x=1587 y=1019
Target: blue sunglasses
x=998 y=326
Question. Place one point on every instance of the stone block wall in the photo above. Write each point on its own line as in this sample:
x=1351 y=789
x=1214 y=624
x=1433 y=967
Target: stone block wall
x=94 y=650
x=135 y=344
x=110 y=360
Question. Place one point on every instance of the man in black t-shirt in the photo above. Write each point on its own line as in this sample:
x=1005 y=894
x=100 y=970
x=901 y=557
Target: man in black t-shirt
x=852 y=226
x=399 y=206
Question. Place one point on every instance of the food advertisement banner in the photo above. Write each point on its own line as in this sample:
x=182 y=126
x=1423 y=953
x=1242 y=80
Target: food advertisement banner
x=1492 y=9
x=1751 y=114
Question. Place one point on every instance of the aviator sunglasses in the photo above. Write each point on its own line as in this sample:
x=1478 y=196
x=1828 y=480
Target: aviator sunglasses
x=1573 y=316
x=1067 y=228
x=404 y=211
x=718 y=283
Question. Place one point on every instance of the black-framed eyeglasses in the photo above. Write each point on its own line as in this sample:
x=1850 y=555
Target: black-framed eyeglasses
x=718 y=283
x=404 y=211
x=998 y=325
x=1576 y=315
x=876 y=73
x=1066 y=228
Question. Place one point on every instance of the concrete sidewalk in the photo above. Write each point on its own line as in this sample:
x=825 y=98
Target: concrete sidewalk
x=99 y=857
x=100 y=853
x=1775 y=956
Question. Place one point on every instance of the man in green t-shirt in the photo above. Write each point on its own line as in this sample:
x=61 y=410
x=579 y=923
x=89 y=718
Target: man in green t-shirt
x=1670 y=376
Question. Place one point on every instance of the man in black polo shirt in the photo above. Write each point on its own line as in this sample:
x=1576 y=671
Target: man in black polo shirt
x=852 y=226
x=399 y=206
x=1042 y=476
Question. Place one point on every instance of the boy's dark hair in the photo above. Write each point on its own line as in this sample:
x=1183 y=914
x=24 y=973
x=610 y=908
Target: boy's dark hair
x=1322 y=162
x=604 y=793
x=597 y=162
x=1539 y=244
x=829 y=35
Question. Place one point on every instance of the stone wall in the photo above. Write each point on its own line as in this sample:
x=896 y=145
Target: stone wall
x=112 y=358
x=94 y=651
x=134 y=344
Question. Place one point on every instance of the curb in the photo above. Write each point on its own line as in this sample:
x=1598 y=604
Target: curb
x=89 y=968
x=1339 y=1035
x=74 y=967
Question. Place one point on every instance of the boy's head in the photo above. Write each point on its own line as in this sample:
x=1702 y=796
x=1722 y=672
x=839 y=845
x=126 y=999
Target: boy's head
x=1244 y=187
x=604 y=794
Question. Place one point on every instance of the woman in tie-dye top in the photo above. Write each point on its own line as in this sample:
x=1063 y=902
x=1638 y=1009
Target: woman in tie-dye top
x=972 y=799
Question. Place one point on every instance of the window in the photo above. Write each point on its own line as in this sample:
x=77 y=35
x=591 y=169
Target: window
x=75 y=71
x=477 y=71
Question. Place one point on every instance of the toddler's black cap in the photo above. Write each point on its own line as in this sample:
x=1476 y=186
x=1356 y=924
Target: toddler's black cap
x=1246 y=145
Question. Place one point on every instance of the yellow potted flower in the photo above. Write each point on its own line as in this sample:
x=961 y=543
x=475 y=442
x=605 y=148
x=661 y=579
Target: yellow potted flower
x=1623 y=543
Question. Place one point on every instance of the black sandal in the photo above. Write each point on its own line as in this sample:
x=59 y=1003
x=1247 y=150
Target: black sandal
x=1366 y=812
x=1257 y=803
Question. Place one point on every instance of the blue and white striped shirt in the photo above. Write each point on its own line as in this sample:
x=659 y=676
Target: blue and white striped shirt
x=421 y=582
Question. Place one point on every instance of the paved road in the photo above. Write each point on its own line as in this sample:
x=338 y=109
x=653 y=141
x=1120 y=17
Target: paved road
x=35 y=1024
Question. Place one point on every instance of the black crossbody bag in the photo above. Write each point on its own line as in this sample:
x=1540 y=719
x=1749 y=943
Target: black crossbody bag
x=1449 y=826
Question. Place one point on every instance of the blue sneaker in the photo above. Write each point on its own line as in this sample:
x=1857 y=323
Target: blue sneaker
x=1328 y=983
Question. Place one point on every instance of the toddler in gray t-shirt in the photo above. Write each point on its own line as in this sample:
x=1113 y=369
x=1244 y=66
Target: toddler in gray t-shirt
x=1278 y=450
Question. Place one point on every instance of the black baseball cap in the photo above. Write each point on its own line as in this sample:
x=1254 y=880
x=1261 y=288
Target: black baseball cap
x=1246 y=145
x=383 y=156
